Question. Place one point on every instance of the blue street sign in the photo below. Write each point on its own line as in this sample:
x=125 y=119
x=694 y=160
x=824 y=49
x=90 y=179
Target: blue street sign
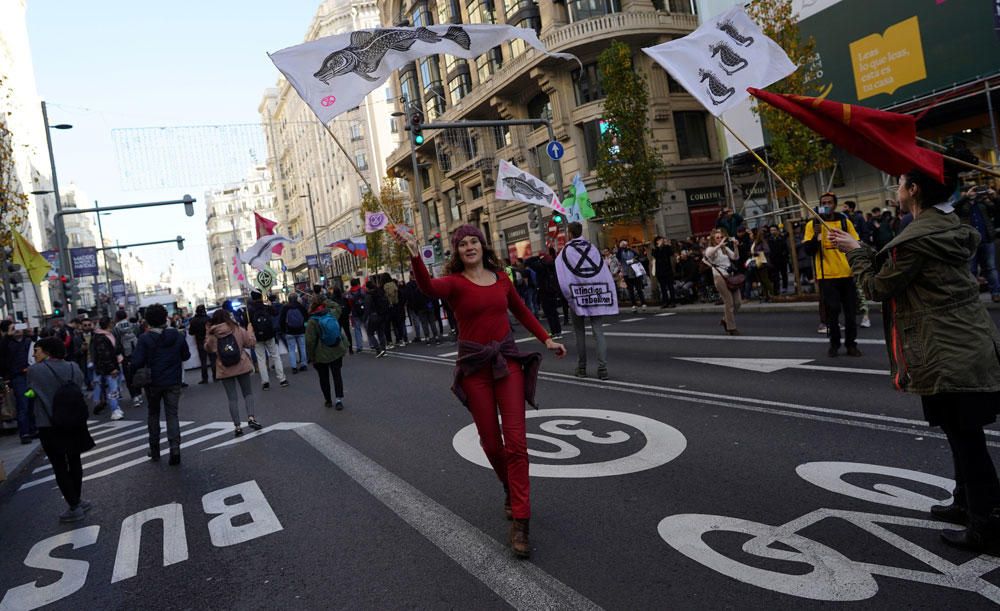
x=555 y=150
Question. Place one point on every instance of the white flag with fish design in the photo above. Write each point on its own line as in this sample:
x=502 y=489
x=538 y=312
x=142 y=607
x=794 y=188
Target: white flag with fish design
x=718 y=61
x=335 y=73
x=259 y=254
x=516 y=184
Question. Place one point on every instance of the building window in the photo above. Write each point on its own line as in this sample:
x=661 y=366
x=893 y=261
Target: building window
x=515 y=6
x=454 y=210
x=585 y=9
x=421 y=16
x=408 y=87
x=692 y=135
x=451 y=63
x=685 y=7
x=356 y=131
x=361 y=160
x=673 y=86
x=435 y=104
x=501 y=136
x=592 y=142
x=518 y=47
x=481 y=11
x=425 y=178
x=430 y=71
x=546 y=167
x=459 y=87
x=587 y=85
x=432 y=214
x=539 y=107
x=488 y=63
x=476 y=190
x=448 y=11
x=393 y=125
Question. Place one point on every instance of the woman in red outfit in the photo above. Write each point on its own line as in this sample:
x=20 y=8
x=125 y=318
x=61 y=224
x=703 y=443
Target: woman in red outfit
x=491 y=375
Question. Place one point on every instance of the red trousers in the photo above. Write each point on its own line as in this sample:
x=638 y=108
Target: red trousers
x=507 y=453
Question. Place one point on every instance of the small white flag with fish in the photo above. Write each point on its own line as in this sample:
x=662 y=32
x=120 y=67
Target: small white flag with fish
x=259 y=254
x=516 y=184
x=718 y=61
x=334 y=74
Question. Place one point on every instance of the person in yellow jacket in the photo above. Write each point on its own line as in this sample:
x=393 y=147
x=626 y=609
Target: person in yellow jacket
x=834 y=280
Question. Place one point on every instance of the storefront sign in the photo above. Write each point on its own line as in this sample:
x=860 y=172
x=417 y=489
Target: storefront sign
x=516 y=233
x=707 y=196
x=754 y=190
x=84 y=261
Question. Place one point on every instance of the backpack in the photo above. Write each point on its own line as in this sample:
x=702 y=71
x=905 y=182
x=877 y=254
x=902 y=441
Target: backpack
x=294 y=318
x=125 y=333
x=358 y=304
x=263 y=327
x=229 y=351
x=329 y=330
x=69 y=408
x=380 y=304
x=105 y=355
x=392 y=293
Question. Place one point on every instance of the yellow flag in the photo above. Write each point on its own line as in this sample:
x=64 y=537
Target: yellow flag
x=26 y=255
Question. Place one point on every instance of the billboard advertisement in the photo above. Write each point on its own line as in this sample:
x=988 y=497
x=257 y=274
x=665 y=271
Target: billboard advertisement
x=879 y=54
x=84 y=261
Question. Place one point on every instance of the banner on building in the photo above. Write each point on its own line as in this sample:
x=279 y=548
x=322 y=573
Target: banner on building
x=118 y=290
x=84 y=261
x=718 y=61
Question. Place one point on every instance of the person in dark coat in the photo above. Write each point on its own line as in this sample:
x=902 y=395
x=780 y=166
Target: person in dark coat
x=198 y=328
x=164 y=351
x=663 y=255
x=14 y=349
x=292 y=322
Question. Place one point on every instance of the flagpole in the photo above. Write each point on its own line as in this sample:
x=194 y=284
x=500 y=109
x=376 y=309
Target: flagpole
x=358 y=170
x=958 y=161
x=794 y=193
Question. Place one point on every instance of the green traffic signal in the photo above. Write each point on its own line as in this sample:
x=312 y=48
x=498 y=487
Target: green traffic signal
x=418 y=139
x=557 y=218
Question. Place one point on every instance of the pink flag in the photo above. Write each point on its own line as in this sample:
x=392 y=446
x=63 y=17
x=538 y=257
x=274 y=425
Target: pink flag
x=265 y=226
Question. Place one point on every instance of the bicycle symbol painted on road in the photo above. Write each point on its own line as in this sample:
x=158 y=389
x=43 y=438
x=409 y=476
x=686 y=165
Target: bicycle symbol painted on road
x=610 y=443
x=834 y=576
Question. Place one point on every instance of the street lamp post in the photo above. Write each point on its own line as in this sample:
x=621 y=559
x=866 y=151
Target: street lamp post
x=107 y=268
x=61 y=246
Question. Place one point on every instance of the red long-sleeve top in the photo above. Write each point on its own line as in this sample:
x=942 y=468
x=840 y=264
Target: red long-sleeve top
x=481 y=311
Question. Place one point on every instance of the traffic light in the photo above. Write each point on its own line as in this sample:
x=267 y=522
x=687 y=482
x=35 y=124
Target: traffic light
x=13 y=277
x=416 y=125
x=557 y=218
x=188 y=208
x=533 y=218
x=67 y=287
x=57 y=308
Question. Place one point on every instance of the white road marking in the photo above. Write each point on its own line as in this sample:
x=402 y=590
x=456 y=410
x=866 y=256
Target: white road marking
x=631 y=319
x=806 y=412
x=666 y=314
x=772 y=365
x=521 y=584
x=737 y=338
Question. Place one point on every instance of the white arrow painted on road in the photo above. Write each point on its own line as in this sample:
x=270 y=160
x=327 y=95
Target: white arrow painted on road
x=772 y=365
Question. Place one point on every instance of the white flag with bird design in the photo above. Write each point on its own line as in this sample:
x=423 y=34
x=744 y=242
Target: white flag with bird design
x=335 y=73
x=718 y=61
x=516 y=184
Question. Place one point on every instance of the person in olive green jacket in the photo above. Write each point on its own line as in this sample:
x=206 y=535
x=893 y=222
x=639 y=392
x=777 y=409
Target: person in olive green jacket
x=326 y=357
x=941 y=341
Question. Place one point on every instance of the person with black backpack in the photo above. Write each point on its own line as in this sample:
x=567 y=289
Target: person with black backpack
x=325 y=347
x=163 y=350
x=61 y=415
x=293 y=324
x=262 y=327
x=229 y=341
x=359 y=316
x=106 y=356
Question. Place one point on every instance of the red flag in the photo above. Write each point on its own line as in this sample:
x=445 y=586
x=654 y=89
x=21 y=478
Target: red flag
x=886 y=140
x=265 y=226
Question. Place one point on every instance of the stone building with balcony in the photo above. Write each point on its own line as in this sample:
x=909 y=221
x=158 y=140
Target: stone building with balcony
x=457 y=167
x=307 y=167
x=230 y=225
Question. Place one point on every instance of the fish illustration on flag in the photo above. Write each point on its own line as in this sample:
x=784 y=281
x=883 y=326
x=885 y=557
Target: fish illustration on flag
x=259 y=254
x=718 y=61
x=334 y=74
x=516 y=184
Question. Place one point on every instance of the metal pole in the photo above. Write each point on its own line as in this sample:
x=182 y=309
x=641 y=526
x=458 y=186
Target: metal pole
x=107 y=269
x=993 y=125
x=7 y=293
x=62 y=243
x=417 y=193
x=312 y=214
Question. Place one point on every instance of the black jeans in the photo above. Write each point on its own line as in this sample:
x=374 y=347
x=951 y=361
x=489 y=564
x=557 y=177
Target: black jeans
x=839 y=294
x=324 y=370
x=66 y=464
x=378 y=328
x=550 y=306
x=635 y=286
x=666 y=284
x=171 y=398
x=976 y=485
x=205 y=361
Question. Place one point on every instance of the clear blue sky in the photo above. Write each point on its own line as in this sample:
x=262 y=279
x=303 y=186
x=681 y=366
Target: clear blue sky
x=116 y=63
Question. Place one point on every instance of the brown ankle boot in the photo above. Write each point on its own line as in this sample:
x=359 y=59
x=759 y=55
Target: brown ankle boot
x=519 y=538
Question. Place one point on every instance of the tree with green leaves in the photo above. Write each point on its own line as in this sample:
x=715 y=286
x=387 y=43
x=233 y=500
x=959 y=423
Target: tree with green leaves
x=795 y=150
x=382 y=250
x=13 y=200
x=628 y=166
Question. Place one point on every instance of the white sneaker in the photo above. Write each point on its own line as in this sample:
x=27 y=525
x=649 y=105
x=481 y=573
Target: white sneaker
x=635 y=310
x=137 y=402
x=865 y=322
x=822 y=328
x=117 y=414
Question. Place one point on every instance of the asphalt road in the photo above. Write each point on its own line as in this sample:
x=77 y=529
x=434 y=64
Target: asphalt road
x=770 y=477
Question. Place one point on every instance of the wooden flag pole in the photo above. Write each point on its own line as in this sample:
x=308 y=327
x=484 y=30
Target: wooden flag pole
x=358 y=170
x=959 y=161
x=775 y=174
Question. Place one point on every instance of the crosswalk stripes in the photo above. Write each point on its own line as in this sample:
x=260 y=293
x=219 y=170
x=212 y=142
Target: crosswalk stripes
x=136 y=443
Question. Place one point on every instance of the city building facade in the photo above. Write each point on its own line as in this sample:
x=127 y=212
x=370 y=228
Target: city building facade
x=230 y=226
x=318 y=189
x=457 y=168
